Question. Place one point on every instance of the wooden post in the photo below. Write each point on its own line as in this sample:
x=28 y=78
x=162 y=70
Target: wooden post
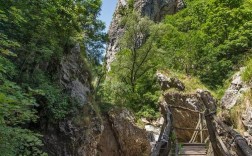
x=162 y=147
x=177 y=148
x=195 y=133
x=211 y=132
x=241 y=144
x=201 y=128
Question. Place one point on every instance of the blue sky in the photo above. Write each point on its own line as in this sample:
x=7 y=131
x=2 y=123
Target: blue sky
x=108 y=7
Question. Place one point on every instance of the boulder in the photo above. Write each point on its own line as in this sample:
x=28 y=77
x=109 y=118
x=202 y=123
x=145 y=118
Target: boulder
x=182 y=118
x=234 y=91
x=169 y=82
x=122 y=136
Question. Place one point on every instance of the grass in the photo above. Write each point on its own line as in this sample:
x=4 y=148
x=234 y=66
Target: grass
x=191 y=83
x=247 y=73
x=238 y=109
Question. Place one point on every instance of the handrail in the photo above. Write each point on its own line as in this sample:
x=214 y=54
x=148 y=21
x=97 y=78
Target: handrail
x=163 y=146
x=242 y=147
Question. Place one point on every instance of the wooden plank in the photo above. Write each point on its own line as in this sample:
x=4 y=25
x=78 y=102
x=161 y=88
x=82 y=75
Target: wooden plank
x=193 y=149
x=195 y=132
x=188 y=129
x=210 y=105
x=223 y=146
x=193 y=144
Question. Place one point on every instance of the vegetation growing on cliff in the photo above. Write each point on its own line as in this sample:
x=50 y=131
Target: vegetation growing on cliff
x=208 y=40
x=131 y=79
x=34 y=35
x=247 y=73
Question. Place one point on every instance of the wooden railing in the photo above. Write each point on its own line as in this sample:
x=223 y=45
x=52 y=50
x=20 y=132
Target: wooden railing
x=164 y=143
x=219 y=148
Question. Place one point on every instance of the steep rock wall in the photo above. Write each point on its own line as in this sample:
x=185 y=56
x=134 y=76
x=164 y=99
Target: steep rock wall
x=76 y=135
x=154 y=9
x=234 y=91
x=237 y=105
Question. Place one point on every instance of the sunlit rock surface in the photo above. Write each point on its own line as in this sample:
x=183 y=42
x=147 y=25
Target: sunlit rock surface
x=235 y=91
x=154 y=9
x=122 y=136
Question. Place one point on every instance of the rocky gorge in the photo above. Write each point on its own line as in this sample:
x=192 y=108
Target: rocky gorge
x=116 y=132
x=88 y=132
x=173 y=79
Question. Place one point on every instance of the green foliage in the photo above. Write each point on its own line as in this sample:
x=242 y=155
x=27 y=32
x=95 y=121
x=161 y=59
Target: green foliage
x=131 y=4
x=16 y=109
x=247 y=73
x=131 y=81
x=57 y=103
x=18 y=141
x=207 y=39
x=41 y=34
x=34 y=35
x=231 y=3
x=201 y=44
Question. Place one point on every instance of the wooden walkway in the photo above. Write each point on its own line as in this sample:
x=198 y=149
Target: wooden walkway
x=190 y=149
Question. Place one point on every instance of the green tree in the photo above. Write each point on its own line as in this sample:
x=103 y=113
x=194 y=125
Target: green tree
x=132 y=73
x=136 y=51
x=207 y=40
x=34 y=35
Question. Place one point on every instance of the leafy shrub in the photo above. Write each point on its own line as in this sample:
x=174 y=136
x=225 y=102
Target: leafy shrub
x=247 y=73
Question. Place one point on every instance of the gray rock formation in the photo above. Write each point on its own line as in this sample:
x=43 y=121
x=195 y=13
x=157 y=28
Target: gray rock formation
x=234 y=96
x=154 y=9
x=169 y=82
x=179 y=103
x=247 y=121
x=234 y=92
x=122 y=137
x=77 y=135
x=181 y=117
x=157 y=9
x=74 y=76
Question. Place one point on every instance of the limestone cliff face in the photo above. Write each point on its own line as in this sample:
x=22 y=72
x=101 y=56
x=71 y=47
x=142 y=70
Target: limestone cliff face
x=154 y=9
x=122 y=136
x=77 y=135
x=237 y=105
x=234 y=91
x=85 y=133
